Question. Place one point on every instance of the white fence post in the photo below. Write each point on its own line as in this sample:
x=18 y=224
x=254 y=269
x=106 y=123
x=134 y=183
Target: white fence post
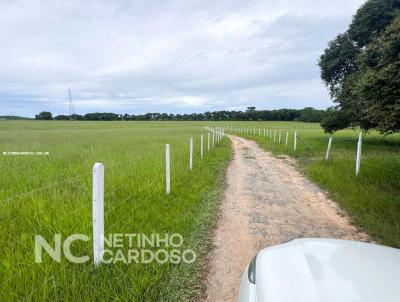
x=208 y=142
x=274 y=135
x=191 y=154
x=280 y=135
x=358 y=160
x=167 y=169
x=295 y=141
x=213 y=138
x=98 y=212
x=328 y=150
x=287 y=137
x=201 y=146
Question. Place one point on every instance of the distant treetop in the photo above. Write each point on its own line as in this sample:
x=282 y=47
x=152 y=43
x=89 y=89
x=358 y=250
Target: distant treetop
x=306 y=115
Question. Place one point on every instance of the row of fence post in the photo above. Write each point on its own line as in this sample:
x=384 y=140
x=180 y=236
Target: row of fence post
x=98 y=187
x=273 y=135
x=244 y=129
x=254 y=130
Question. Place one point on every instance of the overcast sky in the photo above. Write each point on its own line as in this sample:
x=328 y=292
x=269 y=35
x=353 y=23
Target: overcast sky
x=165 y=56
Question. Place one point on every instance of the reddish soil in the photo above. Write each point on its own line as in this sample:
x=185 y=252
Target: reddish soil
x=267 y=201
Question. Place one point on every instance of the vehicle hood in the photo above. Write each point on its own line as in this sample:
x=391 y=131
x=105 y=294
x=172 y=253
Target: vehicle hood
x=328 y=270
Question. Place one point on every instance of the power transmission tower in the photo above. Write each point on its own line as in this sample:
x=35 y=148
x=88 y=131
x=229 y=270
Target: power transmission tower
x=71 y=105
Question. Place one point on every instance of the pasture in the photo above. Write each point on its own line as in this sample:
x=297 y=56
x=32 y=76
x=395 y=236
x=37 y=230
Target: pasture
x=372 y=198
x=52 y=194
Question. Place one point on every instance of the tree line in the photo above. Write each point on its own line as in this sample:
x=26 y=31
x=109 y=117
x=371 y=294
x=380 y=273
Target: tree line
x=307 y=114
x=361 y=68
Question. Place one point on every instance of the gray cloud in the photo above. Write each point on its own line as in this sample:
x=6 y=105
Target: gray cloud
x=165 y=56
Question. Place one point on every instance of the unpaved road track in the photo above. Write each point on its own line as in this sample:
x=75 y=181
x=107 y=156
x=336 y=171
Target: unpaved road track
x=266 y=202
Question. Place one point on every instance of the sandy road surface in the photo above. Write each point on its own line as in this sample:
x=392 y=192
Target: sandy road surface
x=266 y=202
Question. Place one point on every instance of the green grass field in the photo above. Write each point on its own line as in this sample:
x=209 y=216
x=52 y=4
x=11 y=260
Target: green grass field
x=373 y=198
x=47 y=195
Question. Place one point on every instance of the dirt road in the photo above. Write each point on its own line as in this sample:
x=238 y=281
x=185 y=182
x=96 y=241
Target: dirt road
x=266 y=202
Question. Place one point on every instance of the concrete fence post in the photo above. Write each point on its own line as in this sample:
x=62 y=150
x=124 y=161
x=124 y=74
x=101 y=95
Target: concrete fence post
x=328 y=150
x=191 y=153
x=167 y=169
x=98 y=212
x=201 y=145
x=287 y=138
x=358 y=159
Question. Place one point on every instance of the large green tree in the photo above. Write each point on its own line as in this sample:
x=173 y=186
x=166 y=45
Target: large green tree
x=379 y=84
x=361 y=69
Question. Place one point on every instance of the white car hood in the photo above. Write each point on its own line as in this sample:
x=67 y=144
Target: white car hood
x=328 y=270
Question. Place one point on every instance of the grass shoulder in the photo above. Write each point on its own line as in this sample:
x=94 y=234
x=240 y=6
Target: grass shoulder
x=371 y=199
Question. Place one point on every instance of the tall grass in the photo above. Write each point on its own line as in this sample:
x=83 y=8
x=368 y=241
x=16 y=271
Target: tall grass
x=135 y=202
x=373 y=198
